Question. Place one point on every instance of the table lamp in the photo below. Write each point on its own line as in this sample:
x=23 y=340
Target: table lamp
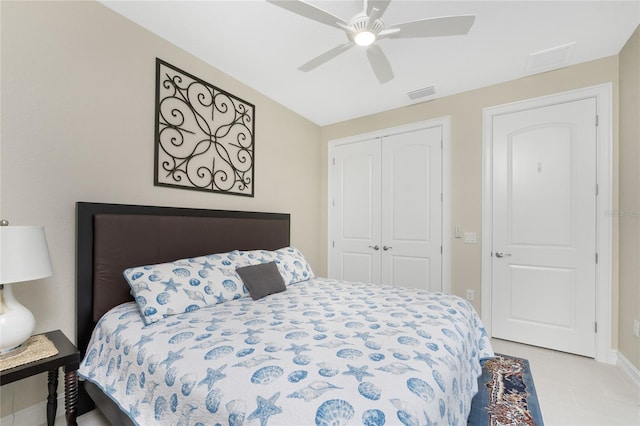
x=24 y=256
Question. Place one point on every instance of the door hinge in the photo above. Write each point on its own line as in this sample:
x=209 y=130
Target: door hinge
x=596 y=258
x=597 y=189
x=441 y=250
x=333 y=244
x=597 y=120
x=596 y=327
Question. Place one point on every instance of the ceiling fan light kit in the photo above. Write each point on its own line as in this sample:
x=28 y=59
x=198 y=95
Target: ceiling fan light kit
x=364 y=38
x=363 y=29
x=367 y=27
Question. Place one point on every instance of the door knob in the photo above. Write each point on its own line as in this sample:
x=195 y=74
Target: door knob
x=500 y=254
x=376 y=247
x=385 y=248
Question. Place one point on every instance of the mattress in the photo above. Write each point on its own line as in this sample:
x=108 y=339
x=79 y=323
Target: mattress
x=322 y=352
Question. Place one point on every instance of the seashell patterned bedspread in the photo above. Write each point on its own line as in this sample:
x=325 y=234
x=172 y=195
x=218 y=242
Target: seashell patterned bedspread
x=323 y=352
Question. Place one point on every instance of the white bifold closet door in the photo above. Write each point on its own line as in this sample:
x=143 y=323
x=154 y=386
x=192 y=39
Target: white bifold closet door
x=386 y=210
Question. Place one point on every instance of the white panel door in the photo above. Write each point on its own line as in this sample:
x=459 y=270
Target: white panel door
x=356 y=212
x=544 y=232
x=385 y=215
x=412 y=209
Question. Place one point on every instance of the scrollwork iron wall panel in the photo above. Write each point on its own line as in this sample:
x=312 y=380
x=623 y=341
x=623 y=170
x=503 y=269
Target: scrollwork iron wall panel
x=204 y=136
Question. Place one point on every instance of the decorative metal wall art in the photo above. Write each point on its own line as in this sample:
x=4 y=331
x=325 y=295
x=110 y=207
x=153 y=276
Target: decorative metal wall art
x=204 y=136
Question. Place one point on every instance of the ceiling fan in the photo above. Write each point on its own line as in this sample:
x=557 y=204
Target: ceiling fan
x=365 y=28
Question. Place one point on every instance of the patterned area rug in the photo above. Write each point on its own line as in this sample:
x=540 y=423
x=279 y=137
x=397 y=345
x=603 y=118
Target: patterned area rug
x=506 y=394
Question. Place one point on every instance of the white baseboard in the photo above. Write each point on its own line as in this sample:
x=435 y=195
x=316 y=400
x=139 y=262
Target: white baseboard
x=33 y=415
x=630 y=370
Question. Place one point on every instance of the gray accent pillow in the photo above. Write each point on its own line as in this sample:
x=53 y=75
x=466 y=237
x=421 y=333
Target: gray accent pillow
x=262 y=280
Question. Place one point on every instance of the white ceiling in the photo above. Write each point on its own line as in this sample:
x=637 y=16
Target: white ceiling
x=263 y=45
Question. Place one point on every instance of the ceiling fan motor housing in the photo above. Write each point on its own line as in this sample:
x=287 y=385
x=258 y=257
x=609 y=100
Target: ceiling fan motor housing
x=360 y=23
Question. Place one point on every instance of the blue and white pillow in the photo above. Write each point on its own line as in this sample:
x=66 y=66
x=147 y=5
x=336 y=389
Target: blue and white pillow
x=290 y=261
x=254 y=257
x=185 y=285
x=293 y=266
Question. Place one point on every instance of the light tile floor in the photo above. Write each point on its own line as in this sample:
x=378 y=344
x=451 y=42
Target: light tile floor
x=572 y=390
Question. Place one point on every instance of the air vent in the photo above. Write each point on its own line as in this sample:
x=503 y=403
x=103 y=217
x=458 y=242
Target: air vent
x=549 y=59
x=421 y=93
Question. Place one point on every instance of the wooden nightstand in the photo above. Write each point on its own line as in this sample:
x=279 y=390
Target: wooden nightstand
x=68 y=358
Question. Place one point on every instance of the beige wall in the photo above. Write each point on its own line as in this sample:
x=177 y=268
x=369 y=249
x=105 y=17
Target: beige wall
x=465 y=110
x=629 y=211
x=77 y=124
x=78 y=93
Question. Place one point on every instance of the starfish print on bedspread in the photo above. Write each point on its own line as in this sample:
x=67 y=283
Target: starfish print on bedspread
x=251 y=332
x=266 y=408
x=213 y=376
x=358 y=372
x=298 y=349
x=426 y=357
x=172 y=357
x=362 y=335
x=411 y=324
x=120 y=328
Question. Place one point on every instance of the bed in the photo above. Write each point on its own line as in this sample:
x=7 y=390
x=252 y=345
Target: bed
x=316 y=351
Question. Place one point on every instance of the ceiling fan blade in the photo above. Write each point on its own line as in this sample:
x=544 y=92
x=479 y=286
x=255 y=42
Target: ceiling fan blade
x=381 y=5
x=373 y=17
x=329 y=54
x=309 y=11
x=379 y=63
x=434 y=27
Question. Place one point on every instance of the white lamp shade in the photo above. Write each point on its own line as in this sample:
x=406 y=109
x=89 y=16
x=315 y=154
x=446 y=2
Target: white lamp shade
x=24 y=255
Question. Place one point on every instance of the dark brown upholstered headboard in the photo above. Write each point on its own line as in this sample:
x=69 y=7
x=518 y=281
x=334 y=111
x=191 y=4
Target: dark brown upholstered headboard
x=122 y=241
x=113 y=237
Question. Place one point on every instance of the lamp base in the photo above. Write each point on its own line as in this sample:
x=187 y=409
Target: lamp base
x=6 y=353
x=16 y=321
